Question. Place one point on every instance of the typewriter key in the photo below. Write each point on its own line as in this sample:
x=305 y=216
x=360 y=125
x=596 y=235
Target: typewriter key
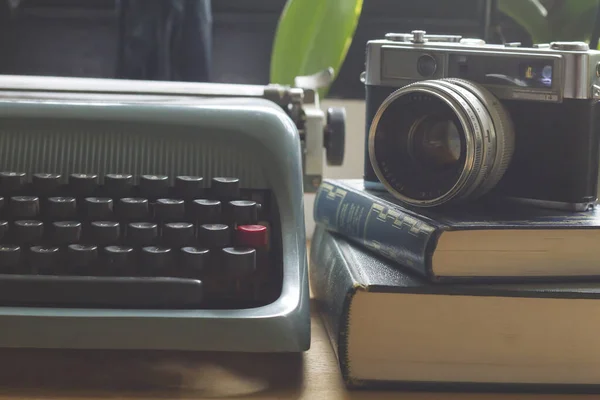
x=178 y=234
x=3 y=228
x=189 y=187
x=243 y=212
x=66 y=232
x=214 y=235
x=118 y=259
x=154 y=186
x=104 y=232
x=11 y=182
x=251 y=236
x=133 y=208
x=142 y=233
x=98 y=208
x=155 y=260
x=45 y=184
x=169 y=210
x=83 y=184
x=44 y=259
x=224 y=188
x=81 y=258
x=28 y=231
x=239 y=262
x=24 y=206
x=10 y=257
x=194 y=260
x=118 y=185
x=206 y=211
x=61 y=208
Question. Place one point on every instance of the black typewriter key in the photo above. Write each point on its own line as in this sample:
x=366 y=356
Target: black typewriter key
x=142 y=233
x=205 y=211
x=3 y=228
x=96 y=208
x=10 y=258
x=45 y=184
x=194 y=260
x=154 y=186
x=214 y=235
x=225 y=188
x=24 y=206
x=12 y=182
x=44 y=260
x=60 y=208
x=66 y=232
x=28 y=231
x=104 y=232
x=118 y=185
x=178 y=234
x=189 y=187
x=169 y=210
x=118 y=260
x=155 y=260
x=132 y=208
x=243 y=212
x=83 y=184
x=238 y=262
x=81 y=258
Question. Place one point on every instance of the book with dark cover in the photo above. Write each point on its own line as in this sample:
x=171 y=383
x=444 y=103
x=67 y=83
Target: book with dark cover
x=476 y=241
x=392 y=328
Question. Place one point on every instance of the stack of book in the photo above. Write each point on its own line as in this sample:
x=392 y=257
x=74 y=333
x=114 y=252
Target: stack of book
x=482 y=296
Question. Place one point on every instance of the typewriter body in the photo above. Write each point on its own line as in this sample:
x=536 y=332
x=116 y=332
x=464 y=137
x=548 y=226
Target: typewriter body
x=152 y=215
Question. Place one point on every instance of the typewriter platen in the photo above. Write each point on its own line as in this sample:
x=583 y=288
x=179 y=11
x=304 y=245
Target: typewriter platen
x=153 y=215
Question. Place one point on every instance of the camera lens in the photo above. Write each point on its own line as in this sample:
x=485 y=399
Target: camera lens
x=440 y=141
x=426 y=65
x=435 y=142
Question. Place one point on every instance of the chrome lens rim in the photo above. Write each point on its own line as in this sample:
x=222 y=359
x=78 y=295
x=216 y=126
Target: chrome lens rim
x=479 y=133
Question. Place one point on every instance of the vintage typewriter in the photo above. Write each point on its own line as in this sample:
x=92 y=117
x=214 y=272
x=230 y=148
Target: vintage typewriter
x=157 y=215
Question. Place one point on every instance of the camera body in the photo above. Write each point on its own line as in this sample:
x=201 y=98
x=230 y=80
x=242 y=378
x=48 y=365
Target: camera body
x=538 y=107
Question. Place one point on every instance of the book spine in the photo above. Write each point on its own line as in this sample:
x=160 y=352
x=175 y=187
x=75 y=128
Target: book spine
x=376 y=224
x=333 y=287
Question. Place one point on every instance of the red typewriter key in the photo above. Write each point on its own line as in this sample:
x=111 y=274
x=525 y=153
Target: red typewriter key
x=251 y=236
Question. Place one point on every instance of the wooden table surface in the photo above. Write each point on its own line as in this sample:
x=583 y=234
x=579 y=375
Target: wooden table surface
x=73 y=375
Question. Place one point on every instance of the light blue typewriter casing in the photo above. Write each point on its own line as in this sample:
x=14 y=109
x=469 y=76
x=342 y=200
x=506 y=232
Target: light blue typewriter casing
x=77 y=130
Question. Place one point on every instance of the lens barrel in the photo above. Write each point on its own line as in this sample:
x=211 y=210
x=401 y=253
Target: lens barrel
x=441 y=141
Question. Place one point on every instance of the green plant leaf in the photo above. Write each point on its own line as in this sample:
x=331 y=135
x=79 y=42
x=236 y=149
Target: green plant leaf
x=531 y=15
x=313 y=35
x=573 y=20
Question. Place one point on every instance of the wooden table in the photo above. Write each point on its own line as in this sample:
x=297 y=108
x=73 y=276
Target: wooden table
x=72 y=375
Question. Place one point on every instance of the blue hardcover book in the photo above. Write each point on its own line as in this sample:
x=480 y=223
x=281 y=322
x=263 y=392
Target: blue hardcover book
x=391 y=328
x=486 y=240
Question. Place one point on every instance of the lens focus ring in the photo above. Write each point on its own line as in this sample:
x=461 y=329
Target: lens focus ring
x=486 y=132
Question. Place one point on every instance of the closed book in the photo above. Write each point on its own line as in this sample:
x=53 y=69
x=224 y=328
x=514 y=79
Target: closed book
x=486 y=240
x=390 y=327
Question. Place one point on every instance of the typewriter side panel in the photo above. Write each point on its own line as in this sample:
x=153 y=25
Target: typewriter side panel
x=249 y=138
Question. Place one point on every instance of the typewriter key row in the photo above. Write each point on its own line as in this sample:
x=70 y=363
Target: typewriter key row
x=135 y=234
x=241 y=212
x=117 y=185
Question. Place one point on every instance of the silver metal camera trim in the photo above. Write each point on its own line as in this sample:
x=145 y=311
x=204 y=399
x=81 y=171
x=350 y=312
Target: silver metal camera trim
x=467 y=169
x=576 y=74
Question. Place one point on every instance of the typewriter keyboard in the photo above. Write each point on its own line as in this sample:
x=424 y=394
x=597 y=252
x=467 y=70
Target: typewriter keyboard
x=150 y=241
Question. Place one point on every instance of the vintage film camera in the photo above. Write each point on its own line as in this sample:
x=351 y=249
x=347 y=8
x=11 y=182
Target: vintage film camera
x=450 y=119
